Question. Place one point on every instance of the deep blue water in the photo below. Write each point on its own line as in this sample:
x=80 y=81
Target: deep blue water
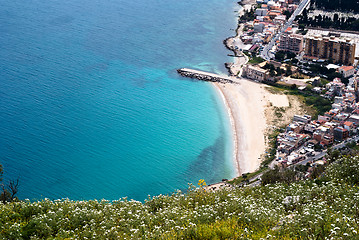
x=91 y=105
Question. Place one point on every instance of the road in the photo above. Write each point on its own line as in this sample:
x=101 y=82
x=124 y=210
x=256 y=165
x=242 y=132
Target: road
x=322 y=154
x=256 y=180
x=266 y=50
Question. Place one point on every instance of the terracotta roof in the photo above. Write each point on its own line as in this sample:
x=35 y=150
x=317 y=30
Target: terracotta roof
x=348 y=123
x=346 y=68
x=273 y=13
x=309 y=57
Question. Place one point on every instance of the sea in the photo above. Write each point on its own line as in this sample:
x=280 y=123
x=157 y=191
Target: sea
x=91 y=105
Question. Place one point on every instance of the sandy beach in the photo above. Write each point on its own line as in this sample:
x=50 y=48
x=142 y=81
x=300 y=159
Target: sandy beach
x=248 y=103
x=252 y=108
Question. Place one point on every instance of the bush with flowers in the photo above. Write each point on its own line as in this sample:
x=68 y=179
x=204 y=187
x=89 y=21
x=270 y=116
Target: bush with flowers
x=311 y=209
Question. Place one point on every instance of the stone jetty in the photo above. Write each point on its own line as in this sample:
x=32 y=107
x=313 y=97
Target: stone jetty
x=205 y=76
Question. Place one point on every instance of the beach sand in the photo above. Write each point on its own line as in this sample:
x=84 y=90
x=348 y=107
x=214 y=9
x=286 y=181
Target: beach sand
x=252 y=110
x=247 y=105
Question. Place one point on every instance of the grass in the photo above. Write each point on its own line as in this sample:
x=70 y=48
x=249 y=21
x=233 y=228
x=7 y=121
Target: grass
x=315 y=101
x=256 y=60
x=246 y=176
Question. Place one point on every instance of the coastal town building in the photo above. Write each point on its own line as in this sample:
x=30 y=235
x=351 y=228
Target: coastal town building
x=339 y=50
x=291 y=42
x=261 y=11
x=354 y=118
x=258 y=27
x=303 y=119
x=280 y=19
x=346 y=71
x=340 y=133
x=255 y=72
x=335 y=88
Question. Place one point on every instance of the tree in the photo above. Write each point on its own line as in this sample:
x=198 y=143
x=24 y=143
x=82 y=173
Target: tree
x=288 y=70
x=277 y=175
x=301 y=26
x=345 y=169
x=8 y=191
x=280 y=56
x=287 y=14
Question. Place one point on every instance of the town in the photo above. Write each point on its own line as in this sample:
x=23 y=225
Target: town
x=323 y=63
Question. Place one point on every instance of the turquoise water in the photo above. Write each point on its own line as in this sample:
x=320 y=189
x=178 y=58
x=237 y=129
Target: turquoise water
x=91 y=105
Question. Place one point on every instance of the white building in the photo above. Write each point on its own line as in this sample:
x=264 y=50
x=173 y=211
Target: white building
x=346 y=71
x=261 y=11
x=258 y=27
x=255 y=73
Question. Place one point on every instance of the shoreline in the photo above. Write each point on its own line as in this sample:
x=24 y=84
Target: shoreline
x=246 y=105
x=232 y=120
x=242 y=158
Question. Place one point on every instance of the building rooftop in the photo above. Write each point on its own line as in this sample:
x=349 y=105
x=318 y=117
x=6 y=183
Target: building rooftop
x=346 y=68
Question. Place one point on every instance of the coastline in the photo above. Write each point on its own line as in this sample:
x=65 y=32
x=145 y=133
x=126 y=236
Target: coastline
x=248 y=147
x=249 y=106
x=246 y=109
x=233 y=123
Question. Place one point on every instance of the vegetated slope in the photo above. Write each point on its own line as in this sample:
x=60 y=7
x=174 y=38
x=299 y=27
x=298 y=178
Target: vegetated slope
x=341 y=5
x=326 y=207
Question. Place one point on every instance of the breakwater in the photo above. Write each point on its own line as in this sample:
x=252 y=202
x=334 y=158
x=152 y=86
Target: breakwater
x=205 y=76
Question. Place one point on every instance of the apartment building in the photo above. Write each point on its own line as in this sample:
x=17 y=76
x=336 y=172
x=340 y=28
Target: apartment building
x=330 y=47
x=291 y=42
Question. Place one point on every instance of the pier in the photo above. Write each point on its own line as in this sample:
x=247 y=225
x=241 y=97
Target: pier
x=205 y=76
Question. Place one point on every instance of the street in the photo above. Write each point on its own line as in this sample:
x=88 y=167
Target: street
x=266 y=52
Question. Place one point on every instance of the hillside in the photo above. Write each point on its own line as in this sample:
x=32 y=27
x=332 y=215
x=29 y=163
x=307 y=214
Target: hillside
x=323 y=208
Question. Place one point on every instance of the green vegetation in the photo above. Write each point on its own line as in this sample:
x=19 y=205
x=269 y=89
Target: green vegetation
x=248 y=15
x=321 y=105
x=8 y=191
x=318 y=103
x=277 y=175
x=273 y=71
x=321 y=69
x=345 y=170
x=281 y=55
x=271 y=150
x=313 y=209
x=343 y=23
x=287 y=14
x=345 y=6
x=256 y=60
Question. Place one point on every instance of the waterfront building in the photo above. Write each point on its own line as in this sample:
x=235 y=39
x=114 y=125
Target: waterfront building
x=291 y=42
x=261 y=11
x=256 y=73
x=338 y=50
x=296 y=127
